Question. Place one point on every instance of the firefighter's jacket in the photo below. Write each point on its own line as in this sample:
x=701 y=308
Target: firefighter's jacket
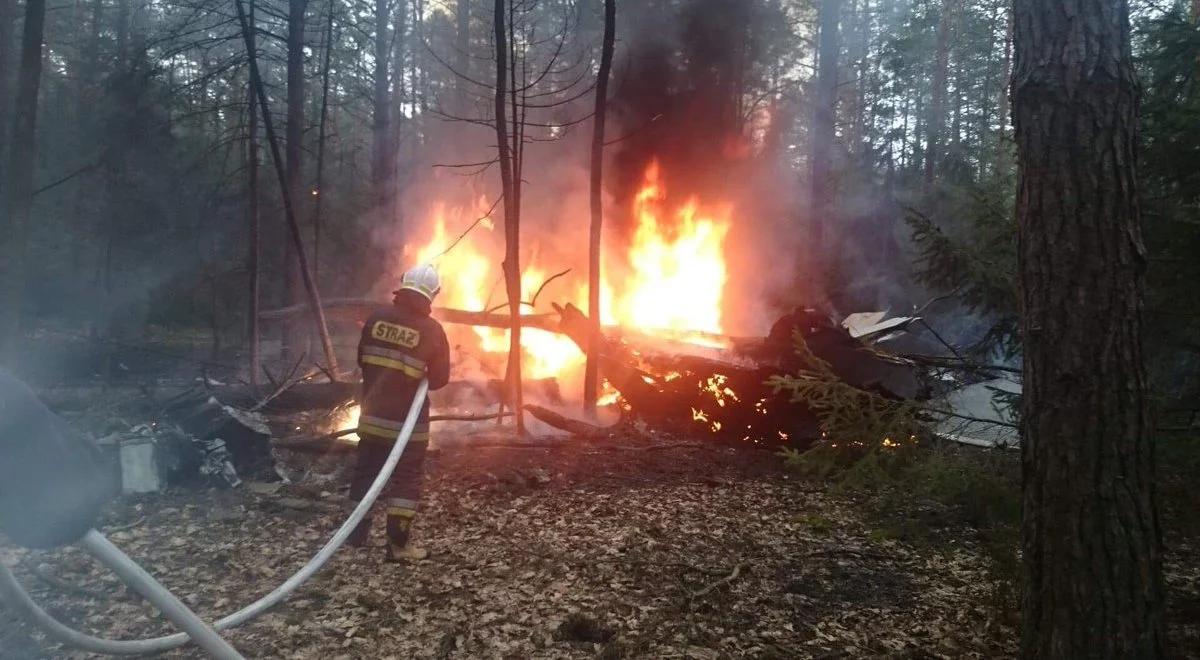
x=400 y=345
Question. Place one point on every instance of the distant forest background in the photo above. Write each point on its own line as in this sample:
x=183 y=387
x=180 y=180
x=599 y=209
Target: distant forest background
x=899 y=177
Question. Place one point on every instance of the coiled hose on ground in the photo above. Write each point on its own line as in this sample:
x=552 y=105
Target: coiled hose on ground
x=141 y=581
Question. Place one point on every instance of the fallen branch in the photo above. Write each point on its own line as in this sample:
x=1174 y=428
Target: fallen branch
x=737 y=570
x=969 y=418
x=469 y=418
x=287 y=384
x=313 y=444
x=573 y=426
x=126 y=526
x=358 y=309
x=43 y=572
x=673 y=445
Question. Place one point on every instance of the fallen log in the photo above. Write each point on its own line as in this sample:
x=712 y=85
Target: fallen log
x=298 y=397
x=329 y=441
x=562 y=422
x=692 y=393
x=358 y=309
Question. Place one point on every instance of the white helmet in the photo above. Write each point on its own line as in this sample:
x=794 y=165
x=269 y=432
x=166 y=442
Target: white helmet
x=423 y=279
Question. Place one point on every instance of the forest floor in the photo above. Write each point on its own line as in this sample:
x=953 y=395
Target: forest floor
x=622 y=547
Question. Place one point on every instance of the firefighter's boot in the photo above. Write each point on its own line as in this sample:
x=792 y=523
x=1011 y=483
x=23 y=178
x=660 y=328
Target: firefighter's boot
x=399 y=522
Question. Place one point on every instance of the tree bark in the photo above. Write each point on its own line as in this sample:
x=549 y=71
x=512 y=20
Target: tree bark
x=1003 y=160
x=381 y=142
x=936 y=121
x=18 y=198
x=396 y=136
x=294 y=336
x=512 y=217
x=591 y=379
x=289 y=207
x=358 y=309
x=319 y=189
x=6 y=39
x=462 y=60
x=822 y=133
x=420 y=71
x=253 y=219
x=1090 y=531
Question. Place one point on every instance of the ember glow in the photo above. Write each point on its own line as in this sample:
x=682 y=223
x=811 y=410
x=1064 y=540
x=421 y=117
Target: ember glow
x=667 y=276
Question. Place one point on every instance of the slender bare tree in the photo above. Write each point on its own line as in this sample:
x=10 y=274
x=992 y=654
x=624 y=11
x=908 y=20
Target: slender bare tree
x=512 y=211
x=824 y=116
x=591 y=382
x=294 y=336
x=253 y=218
x=289 y=205
x=18 y=197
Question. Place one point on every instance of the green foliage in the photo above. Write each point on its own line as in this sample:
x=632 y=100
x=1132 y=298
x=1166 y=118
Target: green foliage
x=817 y=523
x=854 y=422
x=913 y=488
x=968 y=245
x=1168 y=49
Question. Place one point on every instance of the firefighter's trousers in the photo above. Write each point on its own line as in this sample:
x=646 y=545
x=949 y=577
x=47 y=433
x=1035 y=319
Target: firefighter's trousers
x=402 y=494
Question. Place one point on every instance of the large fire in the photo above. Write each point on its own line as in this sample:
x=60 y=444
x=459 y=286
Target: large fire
x=669 y=276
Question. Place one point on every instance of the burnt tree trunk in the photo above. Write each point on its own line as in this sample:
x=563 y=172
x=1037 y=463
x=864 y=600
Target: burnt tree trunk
x=591 y=379
x=295 y=338
x=18 y=196
x=512 y=218
x=1090 y=531
x=821 y=158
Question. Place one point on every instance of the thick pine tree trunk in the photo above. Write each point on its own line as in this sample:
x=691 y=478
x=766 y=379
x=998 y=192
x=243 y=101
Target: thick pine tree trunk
x=1090 y=531
x=591 y=380
x=18 y=194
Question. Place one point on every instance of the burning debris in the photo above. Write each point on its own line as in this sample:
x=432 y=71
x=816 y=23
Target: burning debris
x=724 y=391
x=690 y=381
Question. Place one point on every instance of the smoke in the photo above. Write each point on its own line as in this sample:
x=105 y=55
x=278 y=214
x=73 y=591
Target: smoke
x=687 y=93
x=688 y=100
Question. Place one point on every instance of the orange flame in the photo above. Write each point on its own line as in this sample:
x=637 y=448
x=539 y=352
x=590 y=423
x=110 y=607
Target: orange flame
x=670 y=277
x=678 y=271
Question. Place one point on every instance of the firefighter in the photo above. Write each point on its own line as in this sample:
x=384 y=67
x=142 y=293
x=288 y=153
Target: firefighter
x=400 y=345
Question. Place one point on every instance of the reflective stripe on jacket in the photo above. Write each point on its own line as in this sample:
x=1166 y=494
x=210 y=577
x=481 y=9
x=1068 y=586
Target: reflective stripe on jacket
x=400 y=345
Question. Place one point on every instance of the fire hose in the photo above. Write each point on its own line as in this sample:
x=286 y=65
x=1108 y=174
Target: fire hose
x=194 y=628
